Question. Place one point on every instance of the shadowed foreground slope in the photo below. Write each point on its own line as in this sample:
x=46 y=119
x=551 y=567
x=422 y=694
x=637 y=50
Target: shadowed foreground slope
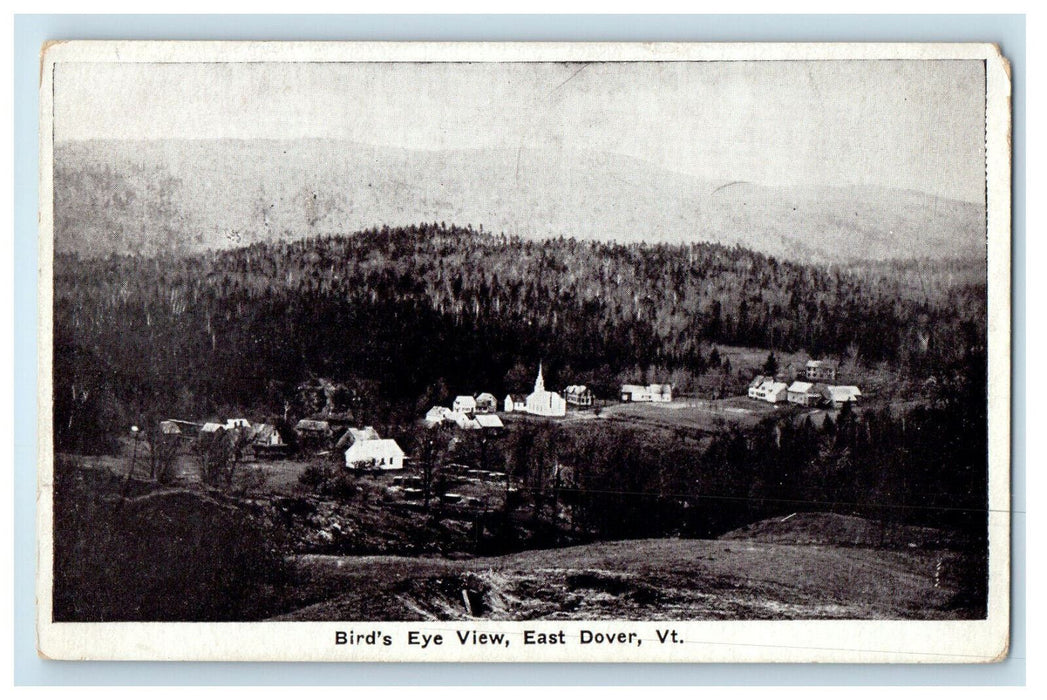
x=663 y=579
x=126 y=550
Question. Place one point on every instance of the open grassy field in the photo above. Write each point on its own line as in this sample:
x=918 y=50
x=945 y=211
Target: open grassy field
x=704 y=415
x=663 y=579
x=277 y=476
x=750 y=360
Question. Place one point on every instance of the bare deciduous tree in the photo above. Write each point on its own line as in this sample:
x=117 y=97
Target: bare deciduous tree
x=163 y=453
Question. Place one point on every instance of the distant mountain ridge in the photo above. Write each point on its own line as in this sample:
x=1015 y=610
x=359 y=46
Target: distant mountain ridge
x=190 y=195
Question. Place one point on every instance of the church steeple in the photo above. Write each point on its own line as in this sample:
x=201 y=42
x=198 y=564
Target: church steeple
x=539 y=384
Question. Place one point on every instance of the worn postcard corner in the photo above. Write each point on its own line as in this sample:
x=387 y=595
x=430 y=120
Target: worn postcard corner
x=524 y=352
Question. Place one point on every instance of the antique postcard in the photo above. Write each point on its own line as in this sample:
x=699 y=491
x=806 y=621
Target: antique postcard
x=524 y=352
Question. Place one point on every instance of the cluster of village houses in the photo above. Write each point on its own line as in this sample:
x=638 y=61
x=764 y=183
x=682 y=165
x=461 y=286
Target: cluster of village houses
x=364 y=448
x=477 y=412
x=813 y=389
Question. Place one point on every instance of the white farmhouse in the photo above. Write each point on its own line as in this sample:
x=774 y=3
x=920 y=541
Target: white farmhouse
x=374 y=454
x=464 y=404
x=463 y=420
x=486 y=403
x=754 y=385
x=437 y=414
x=821 y=370
x=578 y=395
x=769 y=390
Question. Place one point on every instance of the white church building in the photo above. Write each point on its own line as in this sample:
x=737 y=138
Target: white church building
x=545 y=403
x=539 y=402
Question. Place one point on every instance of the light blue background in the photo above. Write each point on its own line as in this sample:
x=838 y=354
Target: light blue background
x=32 y=30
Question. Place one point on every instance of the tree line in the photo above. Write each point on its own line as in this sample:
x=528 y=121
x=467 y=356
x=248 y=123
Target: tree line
x=425 y=311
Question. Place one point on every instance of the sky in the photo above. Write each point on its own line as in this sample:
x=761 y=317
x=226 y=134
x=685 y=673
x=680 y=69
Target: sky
x=915 y=125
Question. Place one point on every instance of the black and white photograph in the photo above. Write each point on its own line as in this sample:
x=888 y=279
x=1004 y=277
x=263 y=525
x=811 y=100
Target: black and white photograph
x=524 y=352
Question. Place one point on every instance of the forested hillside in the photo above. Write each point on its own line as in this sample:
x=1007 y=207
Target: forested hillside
x=422 y=312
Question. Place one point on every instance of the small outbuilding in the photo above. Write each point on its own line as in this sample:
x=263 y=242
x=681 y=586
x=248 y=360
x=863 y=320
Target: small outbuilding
x=313 y=427
x=488 y=422
x=266 y=435
x=314 y=434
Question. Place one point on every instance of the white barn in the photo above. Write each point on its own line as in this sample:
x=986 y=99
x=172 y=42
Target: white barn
x=839 y=395
x=651 y=393
x=805 y=394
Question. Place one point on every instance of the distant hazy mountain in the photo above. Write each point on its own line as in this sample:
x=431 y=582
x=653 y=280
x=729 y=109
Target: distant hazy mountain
x=191 y=194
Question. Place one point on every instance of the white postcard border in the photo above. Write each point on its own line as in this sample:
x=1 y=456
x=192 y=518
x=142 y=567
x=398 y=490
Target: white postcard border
x=732 y=641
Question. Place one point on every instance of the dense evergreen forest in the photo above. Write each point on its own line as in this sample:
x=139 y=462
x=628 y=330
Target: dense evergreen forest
x=424 y=312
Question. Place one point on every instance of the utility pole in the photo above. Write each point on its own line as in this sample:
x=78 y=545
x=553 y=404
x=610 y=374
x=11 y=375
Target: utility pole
x=556 y=499
x=483 y=449
x=427 y=473
x=127 y=481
